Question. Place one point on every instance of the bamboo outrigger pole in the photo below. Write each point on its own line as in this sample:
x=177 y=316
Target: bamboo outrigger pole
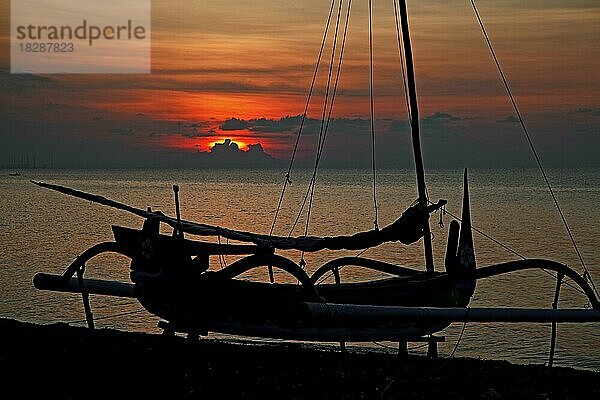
x=416 y=139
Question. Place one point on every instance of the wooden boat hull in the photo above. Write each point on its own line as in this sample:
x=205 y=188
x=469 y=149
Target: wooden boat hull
x=279 y=310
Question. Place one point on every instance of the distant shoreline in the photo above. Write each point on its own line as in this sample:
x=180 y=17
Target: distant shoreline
x=59 y=361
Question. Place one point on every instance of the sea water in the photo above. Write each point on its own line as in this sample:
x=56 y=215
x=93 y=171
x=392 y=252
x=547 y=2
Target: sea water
x=43 y=231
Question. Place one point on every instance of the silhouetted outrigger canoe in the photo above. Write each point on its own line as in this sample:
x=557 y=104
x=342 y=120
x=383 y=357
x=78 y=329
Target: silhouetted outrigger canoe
x=171 y=279
x=171 y=275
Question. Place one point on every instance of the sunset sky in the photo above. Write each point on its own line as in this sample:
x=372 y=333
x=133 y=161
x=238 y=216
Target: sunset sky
x=242 y=70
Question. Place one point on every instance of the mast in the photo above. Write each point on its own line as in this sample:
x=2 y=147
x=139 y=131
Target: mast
x=416 y=139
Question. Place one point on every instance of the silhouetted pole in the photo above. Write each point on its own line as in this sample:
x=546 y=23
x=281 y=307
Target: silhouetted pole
x=559 y=278
x=85 y=295
x=177 y=211
x=416 y=139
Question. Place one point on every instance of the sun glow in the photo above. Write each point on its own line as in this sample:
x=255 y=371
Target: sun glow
x=241 y=144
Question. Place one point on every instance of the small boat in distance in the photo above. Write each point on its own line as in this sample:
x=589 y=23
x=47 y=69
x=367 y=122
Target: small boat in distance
x=14 y=174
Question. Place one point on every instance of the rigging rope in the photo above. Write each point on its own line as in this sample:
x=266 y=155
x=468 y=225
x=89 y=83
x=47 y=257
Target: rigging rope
x=322 y=129
x=486 y=236
x=506 y=247
x=109 y=316
x=419 y=346
x=462 y=331
x=312 y=85
x=323 y=134
x=401 y=56
x=586 y=274
x=222 y=260
x=327 y=109
x=372 y=109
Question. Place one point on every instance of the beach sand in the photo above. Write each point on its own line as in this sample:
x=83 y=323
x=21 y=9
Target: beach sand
x=59 y=361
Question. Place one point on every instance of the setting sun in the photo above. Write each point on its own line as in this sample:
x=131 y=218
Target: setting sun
x=240 y=144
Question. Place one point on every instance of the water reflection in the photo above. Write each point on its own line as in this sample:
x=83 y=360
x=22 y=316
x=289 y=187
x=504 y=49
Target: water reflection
x=42 y=231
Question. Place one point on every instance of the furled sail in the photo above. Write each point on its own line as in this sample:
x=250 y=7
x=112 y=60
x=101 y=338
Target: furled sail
x=406 y=229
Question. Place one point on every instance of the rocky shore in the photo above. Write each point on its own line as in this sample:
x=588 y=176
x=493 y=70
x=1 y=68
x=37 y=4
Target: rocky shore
x=59 y=361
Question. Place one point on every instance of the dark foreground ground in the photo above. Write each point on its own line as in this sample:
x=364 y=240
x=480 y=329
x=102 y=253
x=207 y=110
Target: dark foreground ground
x=57 y=361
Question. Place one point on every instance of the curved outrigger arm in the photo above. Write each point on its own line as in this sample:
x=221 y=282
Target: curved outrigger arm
x=480 y=273
x=270 y=260
x=67 y=283
x=379 y=314
x=362 y=262
x=519 y=265
x=80 y=260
